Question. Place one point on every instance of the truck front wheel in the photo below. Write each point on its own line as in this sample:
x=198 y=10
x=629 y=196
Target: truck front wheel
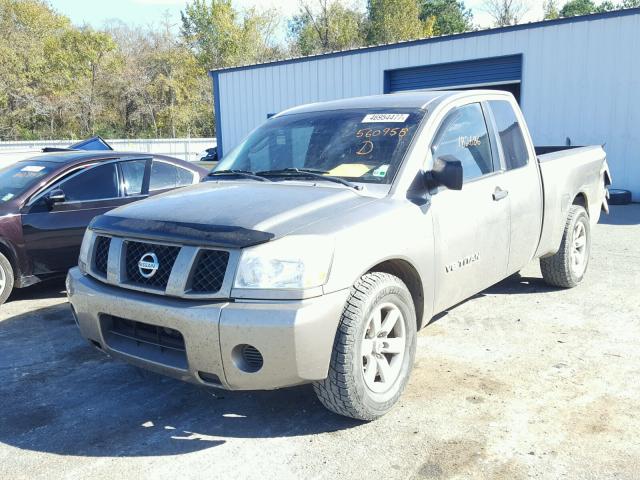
x=567 y=267
x=6 y=278
x=373 y=351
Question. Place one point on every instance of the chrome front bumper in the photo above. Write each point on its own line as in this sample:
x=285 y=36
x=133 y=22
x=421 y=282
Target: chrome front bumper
x=294 y=338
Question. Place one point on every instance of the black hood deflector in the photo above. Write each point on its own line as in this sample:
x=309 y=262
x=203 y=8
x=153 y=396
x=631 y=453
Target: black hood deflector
x=196 y=234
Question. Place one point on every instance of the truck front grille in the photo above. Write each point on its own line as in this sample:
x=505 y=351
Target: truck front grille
x=182 y=271
x=211 y=267
x=155 y=343
x=136 y=251
x=101 y=256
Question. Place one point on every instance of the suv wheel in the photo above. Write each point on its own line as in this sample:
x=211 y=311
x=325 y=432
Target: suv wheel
x=6 y=278
x=373 y=351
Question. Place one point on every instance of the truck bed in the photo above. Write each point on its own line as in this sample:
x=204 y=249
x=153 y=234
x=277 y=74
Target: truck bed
x=570 y=174
x=545 y=149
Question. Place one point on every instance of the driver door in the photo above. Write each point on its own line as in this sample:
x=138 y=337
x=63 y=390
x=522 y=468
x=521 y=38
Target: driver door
x=471 y=226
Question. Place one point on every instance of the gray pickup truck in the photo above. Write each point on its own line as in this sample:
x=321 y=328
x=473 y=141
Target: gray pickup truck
x=334 y=232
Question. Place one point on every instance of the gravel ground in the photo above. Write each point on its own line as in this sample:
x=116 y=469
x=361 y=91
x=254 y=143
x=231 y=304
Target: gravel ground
x=520 y=381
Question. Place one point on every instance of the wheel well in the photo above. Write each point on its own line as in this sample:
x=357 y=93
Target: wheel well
x=6 y=251
x=581 y=199
x=409 y=275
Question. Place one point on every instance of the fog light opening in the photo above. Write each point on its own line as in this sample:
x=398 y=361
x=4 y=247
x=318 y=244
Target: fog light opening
x=210 y=378
x=247 y=358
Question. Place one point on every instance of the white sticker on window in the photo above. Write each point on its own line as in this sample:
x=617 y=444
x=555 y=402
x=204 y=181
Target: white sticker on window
x=32 y=168
x=7 y=197
x=385 y=118
x=381 y=171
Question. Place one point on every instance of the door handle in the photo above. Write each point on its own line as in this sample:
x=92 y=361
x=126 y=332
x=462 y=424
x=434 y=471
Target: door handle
x=499 y=194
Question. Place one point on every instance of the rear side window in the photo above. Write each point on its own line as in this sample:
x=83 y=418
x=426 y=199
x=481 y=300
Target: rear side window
x=164 y=176
x=464 y=135
x=96 y=183
x=514 y=147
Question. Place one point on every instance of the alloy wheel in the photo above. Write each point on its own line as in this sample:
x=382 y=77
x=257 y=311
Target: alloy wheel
x=383 y=347
x=579 y=251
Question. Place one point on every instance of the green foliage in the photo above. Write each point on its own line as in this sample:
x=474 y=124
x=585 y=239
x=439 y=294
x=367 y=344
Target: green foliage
x=70 y=82
x=586 y=7
x=221 y=37
x=551 y=11
x=396 y=20
x=506 y=12
x=327 y=27
x=449 y=16
x=578 y=7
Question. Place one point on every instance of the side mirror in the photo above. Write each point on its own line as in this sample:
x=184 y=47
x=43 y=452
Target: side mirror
x=447 y=171
x=55 y=196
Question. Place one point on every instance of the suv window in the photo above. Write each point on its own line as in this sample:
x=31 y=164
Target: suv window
x=514 y=148
x=133 y=176
x=164 y=175
x=464 y=135
x=96 y=183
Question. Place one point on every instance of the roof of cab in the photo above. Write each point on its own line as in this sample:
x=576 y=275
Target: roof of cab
x=394 y=100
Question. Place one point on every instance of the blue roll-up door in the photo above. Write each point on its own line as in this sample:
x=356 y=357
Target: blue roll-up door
x=469 y=73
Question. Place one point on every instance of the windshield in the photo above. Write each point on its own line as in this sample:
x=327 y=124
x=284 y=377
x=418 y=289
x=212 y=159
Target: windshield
x=19 y=177
x=358 y=145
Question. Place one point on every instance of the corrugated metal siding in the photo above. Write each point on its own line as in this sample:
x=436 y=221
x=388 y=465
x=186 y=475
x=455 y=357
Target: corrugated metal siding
x=579 y=80
x=505 y=69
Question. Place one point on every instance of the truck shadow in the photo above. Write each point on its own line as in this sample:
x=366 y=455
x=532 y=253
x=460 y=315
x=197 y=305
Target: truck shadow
x=518 y=284
x=514 y=284
x=59 y=395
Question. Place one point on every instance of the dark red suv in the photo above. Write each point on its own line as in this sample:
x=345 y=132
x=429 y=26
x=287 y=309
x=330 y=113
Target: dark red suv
x=46 y=203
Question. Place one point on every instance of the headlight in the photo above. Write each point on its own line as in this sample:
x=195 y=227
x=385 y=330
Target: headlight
x=83 y=260
x=291 y=262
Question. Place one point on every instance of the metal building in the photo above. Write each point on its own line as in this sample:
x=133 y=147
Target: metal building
x=577 y=80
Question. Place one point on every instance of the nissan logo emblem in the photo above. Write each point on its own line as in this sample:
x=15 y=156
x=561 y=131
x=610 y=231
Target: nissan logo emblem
x=148 y=265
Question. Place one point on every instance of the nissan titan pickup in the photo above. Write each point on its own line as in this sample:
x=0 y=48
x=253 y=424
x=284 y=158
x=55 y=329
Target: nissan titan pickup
x=326 y=239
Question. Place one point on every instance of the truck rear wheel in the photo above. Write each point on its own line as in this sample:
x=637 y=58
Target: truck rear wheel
x=567 y=267
x=6 y=278
x=373 y=351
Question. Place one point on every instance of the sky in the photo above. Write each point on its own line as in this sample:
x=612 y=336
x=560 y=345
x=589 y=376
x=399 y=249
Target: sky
x=143 y=12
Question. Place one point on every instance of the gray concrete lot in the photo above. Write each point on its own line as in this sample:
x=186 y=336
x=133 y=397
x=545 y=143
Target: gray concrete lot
x=521 y=381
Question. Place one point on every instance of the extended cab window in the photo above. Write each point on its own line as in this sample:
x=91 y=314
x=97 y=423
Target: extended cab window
x=514 y=147
x=95 y=183
x=463 y=135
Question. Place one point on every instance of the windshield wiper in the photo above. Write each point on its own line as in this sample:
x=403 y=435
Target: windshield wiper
x=308 y=172
x=238 y=173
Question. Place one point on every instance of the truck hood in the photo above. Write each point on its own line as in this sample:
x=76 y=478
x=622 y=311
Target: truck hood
x=277 y=208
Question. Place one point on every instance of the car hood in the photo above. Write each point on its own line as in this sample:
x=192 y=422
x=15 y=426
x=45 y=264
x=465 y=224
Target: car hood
x=277 y=208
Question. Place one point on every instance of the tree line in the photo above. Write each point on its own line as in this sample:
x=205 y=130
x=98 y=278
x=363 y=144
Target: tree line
x=60 y=80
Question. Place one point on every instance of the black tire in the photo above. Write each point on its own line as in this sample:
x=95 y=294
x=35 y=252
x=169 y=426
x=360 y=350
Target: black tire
x=345 y=391
x=6 y=278
x=619 y=197
x=557 y=270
